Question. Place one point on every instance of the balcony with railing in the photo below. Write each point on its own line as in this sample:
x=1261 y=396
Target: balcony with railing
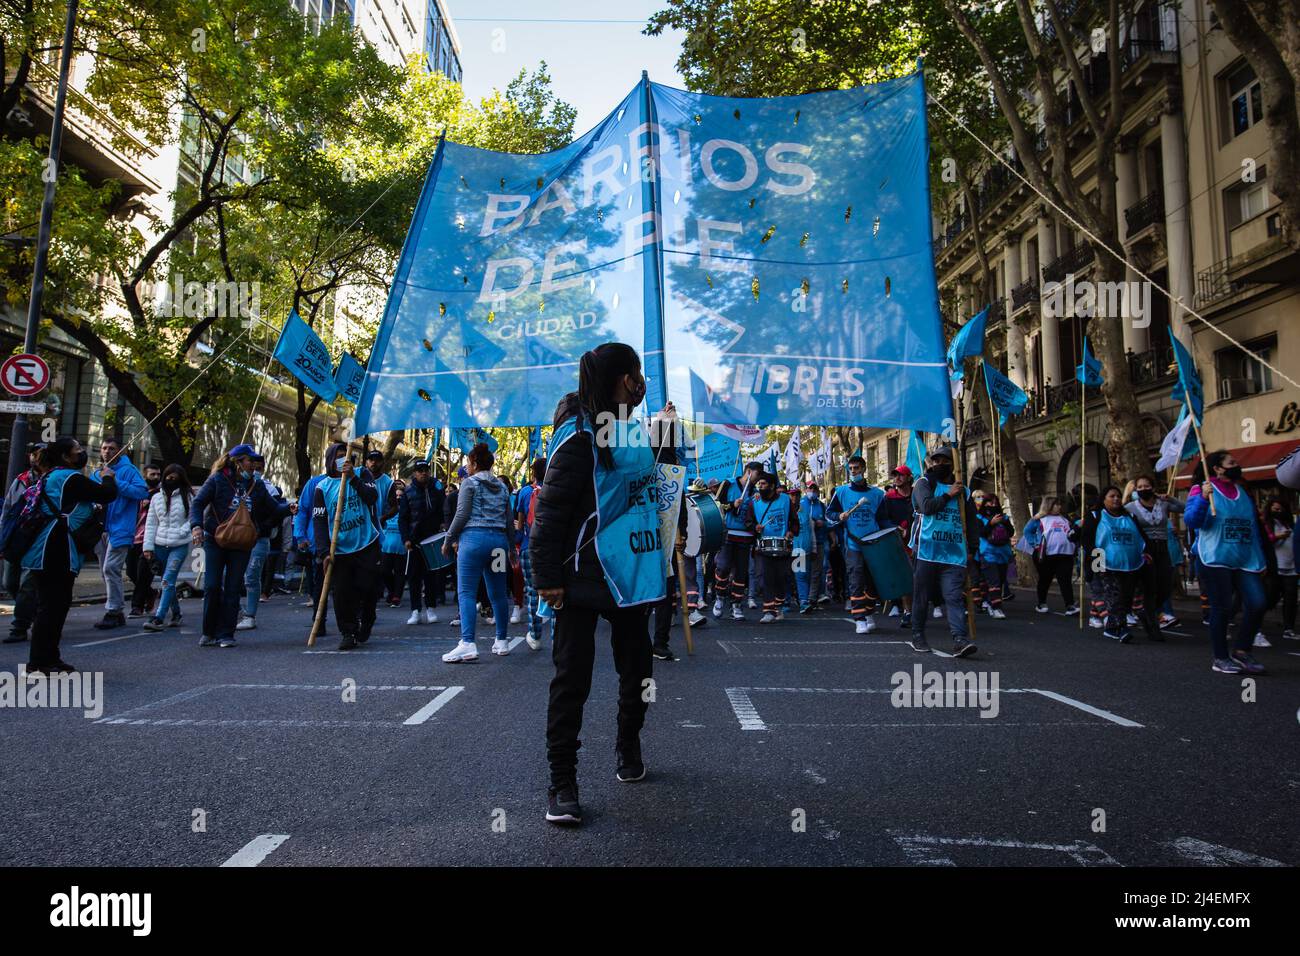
x=1024 y=294
x=1214 y=284
x=1072 y=262
x=1147 y=211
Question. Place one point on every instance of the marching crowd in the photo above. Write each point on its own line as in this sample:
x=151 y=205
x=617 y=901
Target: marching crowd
x=580 y=542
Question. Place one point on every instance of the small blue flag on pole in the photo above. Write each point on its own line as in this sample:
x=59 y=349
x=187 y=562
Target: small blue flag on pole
x=302 y=352
x=433 y=446
x=969 y=341
x=349 y=378
x=915 y=457
x=1188 y=390
x=1089 y=372
x=1007 y=397
x=464 y=439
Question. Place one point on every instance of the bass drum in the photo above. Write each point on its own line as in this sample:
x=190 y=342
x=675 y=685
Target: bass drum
x=704 y=528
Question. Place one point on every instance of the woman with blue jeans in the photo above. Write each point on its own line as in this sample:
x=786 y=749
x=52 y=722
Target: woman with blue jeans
x=482 y=537
x=1230 y=553
x=167 y=540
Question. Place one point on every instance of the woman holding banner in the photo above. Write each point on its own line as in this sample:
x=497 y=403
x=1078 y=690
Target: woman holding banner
x=596 y=551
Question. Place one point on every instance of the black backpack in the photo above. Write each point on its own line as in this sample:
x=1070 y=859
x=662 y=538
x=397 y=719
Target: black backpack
x=23 y=525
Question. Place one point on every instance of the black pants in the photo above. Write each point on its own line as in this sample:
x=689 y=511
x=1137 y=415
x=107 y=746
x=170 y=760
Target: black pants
x=1119 y=588
x=355 y=586
x=392 y=571
x=836 y=561
x=574 y=655
x=776 y=582
x=732 y=570
x=664 y=611
x=1277 y=587
x=140 y=572
x=427 y=587
x=1056 y=567
x=53 y=598
x=23 y=588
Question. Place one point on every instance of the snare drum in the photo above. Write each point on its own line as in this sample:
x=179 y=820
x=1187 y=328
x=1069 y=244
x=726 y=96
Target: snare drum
x=704 y=527
x=774 y=547
x=431 y=548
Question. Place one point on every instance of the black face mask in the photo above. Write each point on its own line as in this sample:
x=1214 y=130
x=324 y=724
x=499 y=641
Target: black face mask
x=1146 y=494
x=79 y=461
x=152 y=484
x=1233 y=473
x=944 y=473
x=171 y=483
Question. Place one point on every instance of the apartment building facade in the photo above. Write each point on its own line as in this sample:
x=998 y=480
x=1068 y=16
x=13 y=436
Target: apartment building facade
x=1195 y=217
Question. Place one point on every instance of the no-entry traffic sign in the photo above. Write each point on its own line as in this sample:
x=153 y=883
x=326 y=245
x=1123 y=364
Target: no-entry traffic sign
x=24 y=374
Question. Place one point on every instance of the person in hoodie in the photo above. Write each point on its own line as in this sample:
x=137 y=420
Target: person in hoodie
x=354 y=582
x=167 y=539
x=120 y=517
x=898 y=512
x=859 y=508
x=941 y=544
x=420 y=514
x=482 y=536
x=1230 y=550
x=597 y=552
x=304 y=539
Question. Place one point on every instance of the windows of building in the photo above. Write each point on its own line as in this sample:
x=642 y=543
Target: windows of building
x=1239 y=374
x=1245 y=100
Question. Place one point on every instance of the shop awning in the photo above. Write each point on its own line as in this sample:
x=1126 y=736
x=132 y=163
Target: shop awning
x=1257 y=462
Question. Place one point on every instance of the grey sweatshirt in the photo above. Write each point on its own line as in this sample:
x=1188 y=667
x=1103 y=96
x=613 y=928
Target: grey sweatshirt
x=483 y=502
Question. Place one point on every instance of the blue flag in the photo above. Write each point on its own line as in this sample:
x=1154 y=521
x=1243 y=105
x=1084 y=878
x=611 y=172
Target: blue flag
x=1007 y=397
x=915 y=457
x=433 y=445
x=1089 y=371
x=715 y=456
x=967 y=343
x=464 y=439
x=1188 y=391
x=349 y=378
x=302 y=352
x=778 y=250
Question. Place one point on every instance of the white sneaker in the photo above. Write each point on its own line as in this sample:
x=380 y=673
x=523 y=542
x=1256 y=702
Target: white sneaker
x=462 y=653
x=455 y=621
x=937 y=612
x=736 y=613
x=490 y=620
x=697 y=619
x=430 y=616
x=1168 y=620
x=1096 y=622
x=1261 y=640
x=893 y=611
x=718 y=608
x=767 y=618
x=1071 y=610
x=414 y=618
x=1132 y=619
x=514 y=615
x=753 y=605
x=500 y=648
x=860 y=627
x=533 y=643
x=1042 y=609
x=246 y=623
x=1290 y=635
x=870 y=621
x=985 y=606
x=997 y=613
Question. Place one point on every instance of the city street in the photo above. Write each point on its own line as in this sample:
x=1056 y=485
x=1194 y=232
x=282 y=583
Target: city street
x=772 y=745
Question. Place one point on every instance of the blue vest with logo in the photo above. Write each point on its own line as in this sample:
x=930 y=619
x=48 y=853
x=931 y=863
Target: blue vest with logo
x=357 y=528
x=54 y=482
x=862 y=522
x=737 y=495
x=1120 y=542
x=809 y=509
x=390 y=538
x=940 y=536
x=773 y=515
x=1228 y=538
x=628 y=543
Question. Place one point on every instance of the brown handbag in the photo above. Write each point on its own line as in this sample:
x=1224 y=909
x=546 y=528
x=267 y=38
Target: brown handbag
x=237 y=533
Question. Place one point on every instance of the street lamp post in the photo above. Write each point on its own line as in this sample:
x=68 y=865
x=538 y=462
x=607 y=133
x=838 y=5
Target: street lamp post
x=18 y=437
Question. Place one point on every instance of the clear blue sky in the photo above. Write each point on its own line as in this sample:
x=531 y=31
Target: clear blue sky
x=594 y=48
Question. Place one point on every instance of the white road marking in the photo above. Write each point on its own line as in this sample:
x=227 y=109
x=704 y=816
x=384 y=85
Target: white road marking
x=257 y=849
x=432 y=707
x=744 y=709
x=1087 y=708
x=921 y=849
x=1211 y=854
x=515 y=642
x=110 y=640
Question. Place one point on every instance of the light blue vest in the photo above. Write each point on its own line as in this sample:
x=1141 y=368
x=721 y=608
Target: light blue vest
x=993 y=553
x=1120 y=542
x=773 y=515
x=737 y=495
x=1228 y=538
x=628 y=543
x=862 y=522
x=940 y=536
x=357 y=528
x=390 y=538
x=54 y=482
x=808 y=510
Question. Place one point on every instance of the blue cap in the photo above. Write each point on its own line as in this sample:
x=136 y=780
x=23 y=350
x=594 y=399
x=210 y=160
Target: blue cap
x=241 y=450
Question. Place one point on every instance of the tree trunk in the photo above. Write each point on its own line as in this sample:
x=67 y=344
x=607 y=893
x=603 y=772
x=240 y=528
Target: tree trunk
x=1127 y=447
x=302 y=417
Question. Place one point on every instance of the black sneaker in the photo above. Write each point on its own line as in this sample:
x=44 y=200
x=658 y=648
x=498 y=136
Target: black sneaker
x=175 y=621
x=347 y=643
x=136 y=612
x=905 y=620
x=363 y=637
x=61 y=667
x=630 y=766
x=111 y=620
x=919 y=644
x=661 y=653
x=15 y=637
x=207 y=641
x=963 y=648
x=227 y=642
x=562 y=805
x=153 y=624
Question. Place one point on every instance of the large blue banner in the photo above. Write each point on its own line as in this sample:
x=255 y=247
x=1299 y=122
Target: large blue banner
x=769 y=258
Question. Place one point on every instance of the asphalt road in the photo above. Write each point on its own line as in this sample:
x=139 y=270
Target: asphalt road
x=772 y=745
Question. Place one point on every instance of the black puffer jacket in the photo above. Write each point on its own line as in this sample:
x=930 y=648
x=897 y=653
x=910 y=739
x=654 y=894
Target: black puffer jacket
x=560 y=544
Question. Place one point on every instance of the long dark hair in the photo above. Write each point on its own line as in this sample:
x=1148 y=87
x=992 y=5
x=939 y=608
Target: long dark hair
x=1205 y=468
x=182 y=484
x=1287 y=518
x=599 y=372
